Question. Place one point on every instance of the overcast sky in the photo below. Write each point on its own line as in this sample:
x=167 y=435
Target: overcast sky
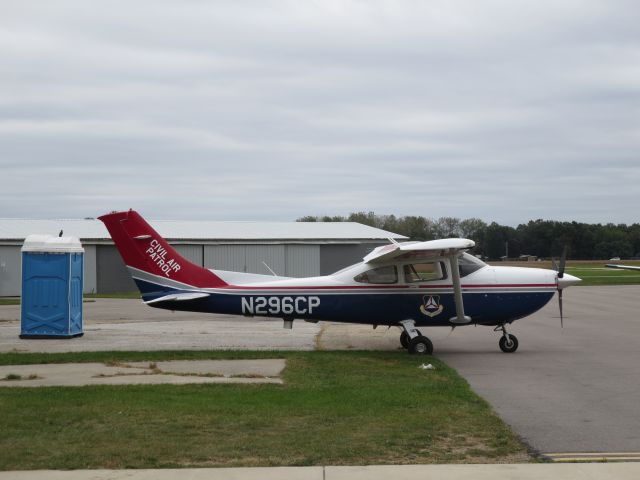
x=271 y=110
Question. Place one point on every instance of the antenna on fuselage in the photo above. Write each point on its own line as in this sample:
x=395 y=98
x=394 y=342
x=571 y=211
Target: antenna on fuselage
x=269 y=268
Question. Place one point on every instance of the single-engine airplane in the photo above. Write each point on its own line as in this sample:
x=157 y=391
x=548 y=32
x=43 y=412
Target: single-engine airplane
x=408 y=284
x=622 y=267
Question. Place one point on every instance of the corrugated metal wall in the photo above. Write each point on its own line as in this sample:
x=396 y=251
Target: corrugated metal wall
x=113 y=275
x=302 y=260
x=336 y=257
x=272 y=255
x=246 y=258
x=226 y=257
x=90 y=273
x=193 y=253
x=10 y=268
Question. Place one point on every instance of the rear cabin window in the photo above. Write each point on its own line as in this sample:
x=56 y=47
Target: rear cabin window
x=378 y=275
x=424 y=272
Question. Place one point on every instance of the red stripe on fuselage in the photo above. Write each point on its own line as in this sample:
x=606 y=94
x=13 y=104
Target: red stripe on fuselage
x=385 y=287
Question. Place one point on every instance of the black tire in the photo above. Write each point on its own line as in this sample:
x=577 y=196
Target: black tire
x=509 y=345
x=420 y=345
x=404 y=340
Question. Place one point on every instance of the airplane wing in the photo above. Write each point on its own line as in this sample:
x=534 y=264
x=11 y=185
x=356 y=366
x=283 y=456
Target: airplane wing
x=178 y=297
x=622 y=267
x=432 y=248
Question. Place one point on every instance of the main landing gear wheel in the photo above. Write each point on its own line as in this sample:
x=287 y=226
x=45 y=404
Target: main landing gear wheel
x=404 y=339
x=420 y=345
x=508 y=343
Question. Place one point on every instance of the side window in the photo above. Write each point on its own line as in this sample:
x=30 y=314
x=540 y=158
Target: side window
x=378 y=275
x=424 y=272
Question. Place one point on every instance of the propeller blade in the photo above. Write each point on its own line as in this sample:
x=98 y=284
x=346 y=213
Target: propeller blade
x=560 y=305
x=563 y=261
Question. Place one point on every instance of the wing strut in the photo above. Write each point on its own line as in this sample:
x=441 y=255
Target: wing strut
x=460 y=317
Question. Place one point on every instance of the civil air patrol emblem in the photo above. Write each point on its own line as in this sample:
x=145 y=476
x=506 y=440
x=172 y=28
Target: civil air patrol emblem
x=431 y=306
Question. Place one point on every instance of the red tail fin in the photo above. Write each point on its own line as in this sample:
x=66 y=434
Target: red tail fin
x=141 y=247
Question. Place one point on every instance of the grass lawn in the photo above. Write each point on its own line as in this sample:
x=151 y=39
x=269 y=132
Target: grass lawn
x=591 y=272
x=86 y=296
x=135 y=294
x=335 y=408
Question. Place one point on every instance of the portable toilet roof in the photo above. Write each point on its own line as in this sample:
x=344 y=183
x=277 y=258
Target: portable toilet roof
x=51 y=244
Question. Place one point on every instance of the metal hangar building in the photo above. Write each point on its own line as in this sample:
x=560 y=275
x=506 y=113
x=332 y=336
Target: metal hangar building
x=293 y=249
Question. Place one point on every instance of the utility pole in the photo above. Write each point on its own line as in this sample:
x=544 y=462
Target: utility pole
x=506 y=247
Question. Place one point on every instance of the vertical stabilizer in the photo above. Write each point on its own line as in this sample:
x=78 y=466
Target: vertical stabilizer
x=142 y=248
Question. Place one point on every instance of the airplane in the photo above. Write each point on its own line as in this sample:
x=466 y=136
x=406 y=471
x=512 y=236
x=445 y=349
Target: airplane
x=622 y=267
x=408 y=285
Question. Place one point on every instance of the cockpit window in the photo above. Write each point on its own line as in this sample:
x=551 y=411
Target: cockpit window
x=424 y=272
x=467 y=264
x=379 y=275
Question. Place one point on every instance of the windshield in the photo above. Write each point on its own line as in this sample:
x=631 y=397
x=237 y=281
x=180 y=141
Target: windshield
x=467 y=264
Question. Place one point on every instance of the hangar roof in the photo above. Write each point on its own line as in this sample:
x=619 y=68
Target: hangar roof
x=91 y=229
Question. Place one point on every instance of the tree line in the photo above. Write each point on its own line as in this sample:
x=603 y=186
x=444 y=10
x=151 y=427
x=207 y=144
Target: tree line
x=542 y=238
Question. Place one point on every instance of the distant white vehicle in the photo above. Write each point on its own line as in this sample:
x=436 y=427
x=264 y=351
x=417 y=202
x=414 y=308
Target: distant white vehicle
x=614 y=259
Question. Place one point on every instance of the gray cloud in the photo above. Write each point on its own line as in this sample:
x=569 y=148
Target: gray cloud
x=501 y=110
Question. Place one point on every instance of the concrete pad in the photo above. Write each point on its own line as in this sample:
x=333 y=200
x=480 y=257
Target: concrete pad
x=525 y=471
x=184 y=372
x=271 y=367
x=273 y=473
x=117 y=324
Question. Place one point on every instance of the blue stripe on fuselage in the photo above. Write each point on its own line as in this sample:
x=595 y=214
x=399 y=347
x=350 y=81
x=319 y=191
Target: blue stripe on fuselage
x=369 y=308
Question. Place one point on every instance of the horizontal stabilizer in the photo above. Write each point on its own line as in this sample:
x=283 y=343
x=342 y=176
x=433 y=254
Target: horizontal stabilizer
x=178 y=297
x=444 y=246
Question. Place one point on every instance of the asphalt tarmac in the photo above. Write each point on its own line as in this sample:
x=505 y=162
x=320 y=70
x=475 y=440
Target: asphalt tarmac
x=575 y=389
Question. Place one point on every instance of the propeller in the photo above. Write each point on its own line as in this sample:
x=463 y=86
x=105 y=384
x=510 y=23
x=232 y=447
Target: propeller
x=560 y=269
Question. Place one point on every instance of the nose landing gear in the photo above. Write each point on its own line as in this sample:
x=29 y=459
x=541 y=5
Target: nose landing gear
x=508 y=343
x=412 y=339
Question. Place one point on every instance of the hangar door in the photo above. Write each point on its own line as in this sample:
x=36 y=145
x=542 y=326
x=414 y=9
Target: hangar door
x=10 y=265
x=287 y=260
x=246 y=258
x=193 y=253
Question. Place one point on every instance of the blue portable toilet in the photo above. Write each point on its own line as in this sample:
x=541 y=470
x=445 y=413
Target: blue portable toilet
x=52 y=282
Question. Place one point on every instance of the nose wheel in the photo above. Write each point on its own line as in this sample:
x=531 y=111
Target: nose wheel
x=405 y=339
x=508 y=343
x=412 y=339
x=420 y=345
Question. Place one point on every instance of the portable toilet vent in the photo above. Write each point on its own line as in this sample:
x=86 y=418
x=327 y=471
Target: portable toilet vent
x=52 y=282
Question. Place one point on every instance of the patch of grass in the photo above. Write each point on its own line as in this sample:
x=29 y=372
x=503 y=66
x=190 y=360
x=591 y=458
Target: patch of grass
x=12 y=376
x=125 y=295
x=10 y=301
x=335 y=408
x=592 y=272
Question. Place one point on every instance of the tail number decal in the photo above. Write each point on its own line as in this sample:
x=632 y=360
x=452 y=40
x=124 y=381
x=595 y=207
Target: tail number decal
x=158 y=254
x=279 y=305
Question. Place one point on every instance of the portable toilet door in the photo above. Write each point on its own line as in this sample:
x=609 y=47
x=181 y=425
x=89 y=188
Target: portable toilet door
x=52 y=283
